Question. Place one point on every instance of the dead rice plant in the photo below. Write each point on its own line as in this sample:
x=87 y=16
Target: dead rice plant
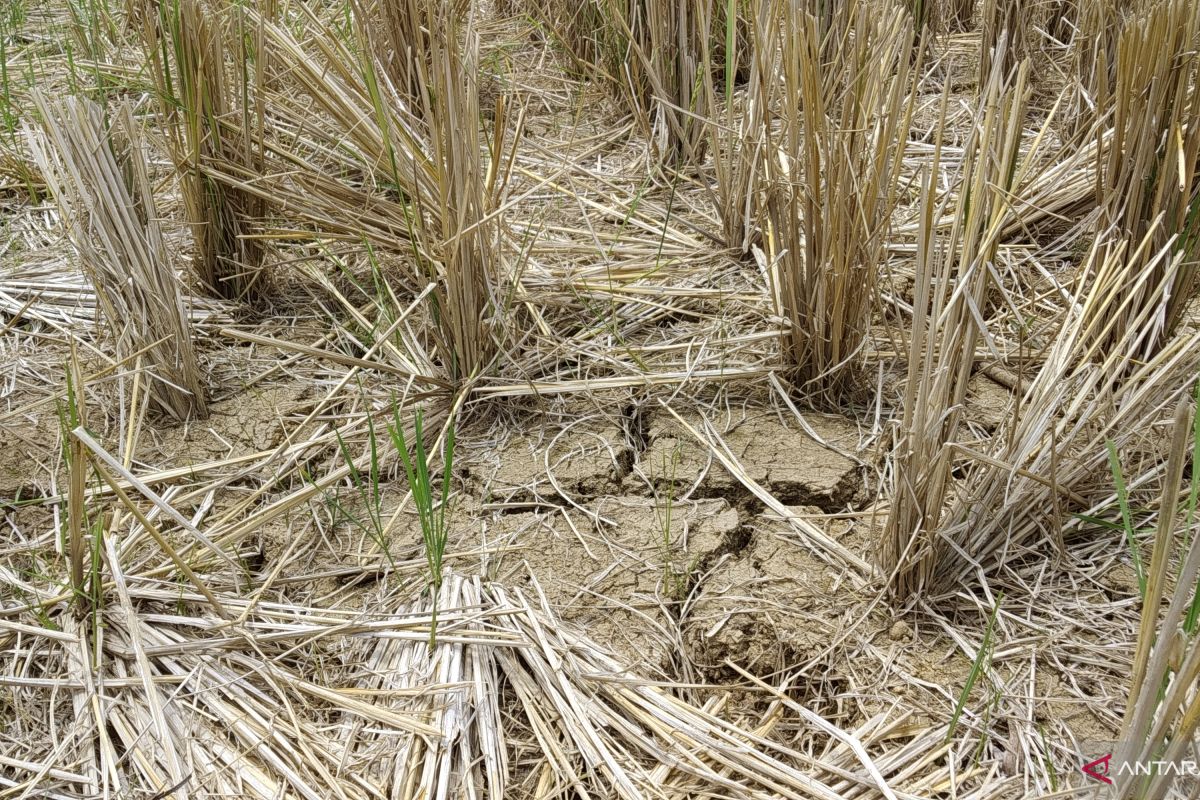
x=464 y=230
x=97 y=173
x=659 y=51
x=576 y=27
x=941 y=17
x=953 y=276
x=738 y=126
x=1009 y=35
x=1061 y=21
x=1097 y=26
x=312 y=702
x=954 y=16
x=658 y=59
x=400 y=41
x=202 y=72
x=1150 y=172
x=845 y=106
x=651 y=55
x=1163 y=712
x=411 y=177
x=1039 y=477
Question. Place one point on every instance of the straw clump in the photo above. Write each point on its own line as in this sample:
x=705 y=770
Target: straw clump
x=97 y=173
x=954 y=274
x=833 y=180
x=202 y=72
x=1150 y=170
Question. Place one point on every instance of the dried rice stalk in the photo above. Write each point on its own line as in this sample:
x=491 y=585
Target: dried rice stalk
x=427 y=193
x=737 y=136
x=577 y=27
x=949 y=309
x=1150 y=172
x=466 y=231
x=1093 y=57
x=401 y=39
x=189 y=51
x=651 y=54
x=941 y=17
x=658 y=50
x=108 y=206
x=1008 y=36
x=315 y=703
x=597 y=729
x=846 y=106
x=1163 y=713
x=1044 y=464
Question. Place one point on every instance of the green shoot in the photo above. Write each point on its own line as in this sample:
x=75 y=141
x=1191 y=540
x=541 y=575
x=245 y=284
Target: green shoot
x=432 y=513
x=8 y=113
x=94 y=596
x=1047 y=760
x=1114 y=463
x=84 y=543
x=70 y=416
x=366 y=486
x=989 y=713
x=982 y=661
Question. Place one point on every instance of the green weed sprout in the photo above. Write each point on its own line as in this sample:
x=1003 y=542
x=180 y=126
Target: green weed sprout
x=983 y=661
x=432 y=512
x=674 y=582
x=366 y=485
x=1114 y=463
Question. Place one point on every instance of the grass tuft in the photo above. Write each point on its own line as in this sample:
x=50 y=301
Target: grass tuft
x=431 y=512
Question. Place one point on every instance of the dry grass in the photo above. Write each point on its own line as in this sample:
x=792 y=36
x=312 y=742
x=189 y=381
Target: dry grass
x=1150 y=170
x=198 y=56
x=1093 y=52
x=737 y=130
x=471 y=250
x=950 y=301
x=941 y=18
x=1041 y=471
x=1161 y=719
x=400 y=42
x=662 y=49
x=652 y=56
x=1008 y=31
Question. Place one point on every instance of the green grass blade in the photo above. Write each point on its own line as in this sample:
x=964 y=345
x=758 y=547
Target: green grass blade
x=977 y=667
x=1114 y=463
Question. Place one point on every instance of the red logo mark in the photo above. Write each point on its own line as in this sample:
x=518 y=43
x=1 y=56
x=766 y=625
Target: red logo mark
x=1098 y=769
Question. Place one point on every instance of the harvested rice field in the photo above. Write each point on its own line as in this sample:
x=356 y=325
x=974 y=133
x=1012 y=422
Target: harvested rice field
x=506 y=399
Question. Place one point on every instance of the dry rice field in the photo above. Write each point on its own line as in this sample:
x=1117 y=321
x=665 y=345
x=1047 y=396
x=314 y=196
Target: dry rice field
x=665 y=399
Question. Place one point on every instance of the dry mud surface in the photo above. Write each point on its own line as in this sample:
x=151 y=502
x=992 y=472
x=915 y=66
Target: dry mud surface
x=638 y=535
